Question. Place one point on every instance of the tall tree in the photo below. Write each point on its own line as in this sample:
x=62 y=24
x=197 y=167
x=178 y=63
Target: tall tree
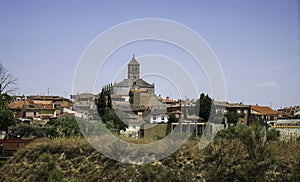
x=109 y=102
x=7 y=119
x=204 y=107
x=114 y=120
x=101 y=103
x=7 y=86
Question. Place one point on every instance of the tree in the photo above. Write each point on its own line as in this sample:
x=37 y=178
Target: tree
x=7 y=119
x=109 y=102
x=7 y=81
x=63 y=127
x=173 y=118
x=101 y=104
x=5 y=99
x=233 y=118
x=243 y=153
x=204 y=107
x=26 y=131
x=113 y=120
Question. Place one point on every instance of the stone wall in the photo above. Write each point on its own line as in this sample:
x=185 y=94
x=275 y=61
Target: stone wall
x=155 y=131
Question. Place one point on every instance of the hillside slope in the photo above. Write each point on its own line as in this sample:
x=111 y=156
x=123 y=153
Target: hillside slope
x=73 y=159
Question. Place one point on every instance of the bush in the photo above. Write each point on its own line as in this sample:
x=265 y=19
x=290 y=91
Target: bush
x=63 y=127
x=55 y=175
x=26 y=131
x=241 y=152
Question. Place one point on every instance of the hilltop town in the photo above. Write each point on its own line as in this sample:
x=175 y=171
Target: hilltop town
x=143 y=109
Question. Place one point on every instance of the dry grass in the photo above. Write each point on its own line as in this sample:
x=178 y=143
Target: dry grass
x=74 y=159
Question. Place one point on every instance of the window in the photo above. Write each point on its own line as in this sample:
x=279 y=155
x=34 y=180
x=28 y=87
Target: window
x=154 y=117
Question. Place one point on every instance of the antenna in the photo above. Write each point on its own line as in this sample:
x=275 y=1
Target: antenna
x=48 y=91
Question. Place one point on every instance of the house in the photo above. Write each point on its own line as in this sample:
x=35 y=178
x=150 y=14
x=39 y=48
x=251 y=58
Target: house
x=224 y=108
x=134 y=125
x=17 y=108
x=170 y=103
x=158 y=116
x=262 y=114
x=297 y=114
x=37 y=108
x=84 y=103
x=288 y=112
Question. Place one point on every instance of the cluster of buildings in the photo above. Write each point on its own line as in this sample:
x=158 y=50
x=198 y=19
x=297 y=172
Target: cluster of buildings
x=38 y=109
x=143 y=108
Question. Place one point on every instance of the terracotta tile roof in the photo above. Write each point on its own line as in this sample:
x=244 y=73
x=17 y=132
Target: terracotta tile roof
x=230 y=105
x=159 y=97
x=30 y=104
x=168 y=101
x=16 y=105
x=264 y=110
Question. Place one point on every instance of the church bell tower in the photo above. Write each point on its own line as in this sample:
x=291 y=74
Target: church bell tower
x=133 y=69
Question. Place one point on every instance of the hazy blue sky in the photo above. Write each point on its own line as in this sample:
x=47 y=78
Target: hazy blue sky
x=256 y=42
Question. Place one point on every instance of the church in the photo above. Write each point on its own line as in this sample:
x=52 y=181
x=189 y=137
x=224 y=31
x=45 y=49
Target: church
x=133 y=82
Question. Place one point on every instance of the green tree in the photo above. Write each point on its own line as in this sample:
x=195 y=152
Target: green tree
x=242 y=153
x=7 y=119
x=109 y=102
x=114 y=120
x=63 y=127
x=26 y=131
x=101 y=103
x=5 y=99
x=233 y=117
x=205 y=107
x=173 y=118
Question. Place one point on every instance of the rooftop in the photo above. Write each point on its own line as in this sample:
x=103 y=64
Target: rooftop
x=133 y=61
x=263 y=110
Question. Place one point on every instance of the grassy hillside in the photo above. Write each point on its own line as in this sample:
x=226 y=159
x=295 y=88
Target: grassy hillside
x=73 y=159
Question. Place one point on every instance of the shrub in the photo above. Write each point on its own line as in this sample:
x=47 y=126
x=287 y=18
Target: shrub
x=55 y=175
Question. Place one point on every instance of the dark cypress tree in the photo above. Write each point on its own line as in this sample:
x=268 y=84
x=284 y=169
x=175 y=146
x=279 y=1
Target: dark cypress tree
x=101 y=103
x=109 y=102
x=204 y=107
